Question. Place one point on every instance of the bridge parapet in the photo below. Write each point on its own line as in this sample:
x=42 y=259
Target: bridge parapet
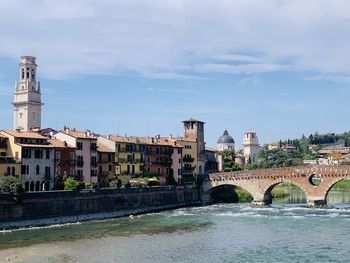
x=260 y=182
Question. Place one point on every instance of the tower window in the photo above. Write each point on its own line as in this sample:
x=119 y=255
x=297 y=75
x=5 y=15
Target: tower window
x=22 y=74
x=33 y=74
x=27 y=73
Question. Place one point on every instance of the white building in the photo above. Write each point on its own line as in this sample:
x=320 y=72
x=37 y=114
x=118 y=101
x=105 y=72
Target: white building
x=251 y=147
x=36 y=155
x=27 y=100
x=225 y=142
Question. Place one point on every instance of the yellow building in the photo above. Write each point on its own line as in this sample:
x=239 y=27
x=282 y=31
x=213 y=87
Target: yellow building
x=190 y=169
x=106 y=164
x=8 y=164
x=129 y=154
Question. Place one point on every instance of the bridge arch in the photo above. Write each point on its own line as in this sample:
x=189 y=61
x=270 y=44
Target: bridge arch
x=268 y=190
x=211 y=192
x=331 y=184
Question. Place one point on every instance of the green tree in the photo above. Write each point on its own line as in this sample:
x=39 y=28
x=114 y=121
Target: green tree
x=71 y=184
x=229 y=161
x=12 y=185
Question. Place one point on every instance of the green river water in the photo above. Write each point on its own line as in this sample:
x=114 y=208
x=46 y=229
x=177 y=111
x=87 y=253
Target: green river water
x=281 y=232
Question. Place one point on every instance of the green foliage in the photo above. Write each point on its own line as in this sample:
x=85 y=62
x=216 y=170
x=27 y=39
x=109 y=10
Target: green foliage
x=113 y=184
x=279 y=192
x=71 y=184
x=88 y=186
x=12 y=185
x=243 y=195
x=229 y=162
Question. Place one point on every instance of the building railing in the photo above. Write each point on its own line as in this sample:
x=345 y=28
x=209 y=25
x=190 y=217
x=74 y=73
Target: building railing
x=188 y=159
x=7 y=159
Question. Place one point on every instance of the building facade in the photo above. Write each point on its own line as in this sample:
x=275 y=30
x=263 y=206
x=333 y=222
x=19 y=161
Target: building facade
x=8 y=164
x=194 y=130
x=157 y=159
x=36 y=156
x=106 y=164
x=251 y=147
x=27 y=97
x=86 y=153
x=65 y=161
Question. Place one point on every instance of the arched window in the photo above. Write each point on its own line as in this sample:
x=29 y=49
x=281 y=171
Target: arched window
x=8 y=170
x=27 y=73
x=33 y=74
x=37 y=169
x=22 y=74
x=37 y=186
x=26 y=186
x=31 y=186
x=13 y=171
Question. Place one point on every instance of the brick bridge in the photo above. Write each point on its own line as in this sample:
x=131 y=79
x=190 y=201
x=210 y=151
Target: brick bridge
x=259 y=183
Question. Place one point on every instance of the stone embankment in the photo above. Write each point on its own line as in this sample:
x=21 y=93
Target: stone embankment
x=57 y=207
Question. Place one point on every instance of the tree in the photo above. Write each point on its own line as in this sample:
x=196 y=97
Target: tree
x=229 y=161
x=71 y=184
x=12 y=185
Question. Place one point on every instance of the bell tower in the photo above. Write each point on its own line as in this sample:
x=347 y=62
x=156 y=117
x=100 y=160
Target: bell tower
x=27 y=100
x=194 y=130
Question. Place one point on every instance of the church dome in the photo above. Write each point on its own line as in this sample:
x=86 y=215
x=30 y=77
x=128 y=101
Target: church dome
x=226 y=138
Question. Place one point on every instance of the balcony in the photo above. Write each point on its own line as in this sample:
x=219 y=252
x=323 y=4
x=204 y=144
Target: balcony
x=7 y=159
x=188 y=170
x=3 y=145
x=188 y=159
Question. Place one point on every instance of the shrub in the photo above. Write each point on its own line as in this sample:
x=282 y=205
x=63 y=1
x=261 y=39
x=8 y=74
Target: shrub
x=88 y=186
x=12 y=185
x=71 y=184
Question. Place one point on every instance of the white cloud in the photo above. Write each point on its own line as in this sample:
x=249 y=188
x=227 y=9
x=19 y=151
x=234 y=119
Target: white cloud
x=334 y=78
x=240 y=69
x=108 y=37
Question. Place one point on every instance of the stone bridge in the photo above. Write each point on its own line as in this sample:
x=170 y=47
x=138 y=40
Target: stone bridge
x=259 y=183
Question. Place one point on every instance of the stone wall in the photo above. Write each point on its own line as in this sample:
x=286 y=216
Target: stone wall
x=43 y=205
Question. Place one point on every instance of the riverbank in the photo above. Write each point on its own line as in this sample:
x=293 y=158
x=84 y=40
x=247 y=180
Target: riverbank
x=58 y=207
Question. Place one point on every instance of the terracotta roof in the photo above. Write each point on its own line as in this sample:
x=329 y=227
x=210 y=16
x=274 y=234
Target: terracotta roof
x=27 y=134
x=35 y=145
x=103 y=148
x=182 y=139
x=126 y=139
x=79 y=134
x=211 y=150
x=2 y=136
x=59 y=144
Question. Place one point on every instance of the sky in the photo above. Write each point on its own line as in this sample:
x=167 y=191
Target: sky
x=280 y=68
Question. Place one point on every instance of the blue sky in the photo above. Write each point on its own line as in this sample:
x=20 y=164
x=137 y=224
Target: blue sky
x=281 y=68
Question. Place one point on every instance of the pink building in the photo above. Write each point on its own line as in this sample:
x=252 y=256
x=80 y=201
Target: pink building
x=86 y=153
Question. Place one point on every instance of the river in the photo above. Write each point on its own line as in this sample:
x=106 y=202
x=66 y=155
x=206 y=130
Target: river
x=281 y=232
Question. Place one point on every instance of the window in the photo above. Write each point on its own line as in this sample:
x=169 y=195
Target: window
x=22 y=76
x=110 y=167
x=93 y=172
x=37 y=169
x=80 y=162
x=13 y=171
x=8 y=171
x=93 y=161
x=38 y=154
x=58 y=155
x=79 y=146
x=27 y=73
x=179 y=151
x=47 y=171
x=27 y=153
x=47 y=154
x=179 y=160
x=179 y=171
x=158 y=170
